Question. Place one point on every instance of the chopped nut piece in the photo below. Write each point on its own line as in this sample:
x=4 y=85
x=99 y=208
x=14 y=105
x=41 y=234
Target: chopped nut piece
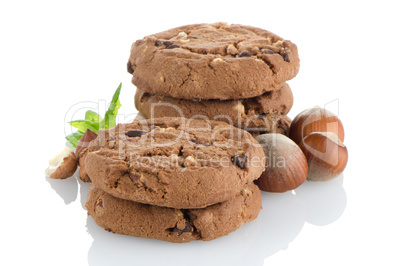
x=240 y=108
x=255 y=50
x=278 y=43
x=231 y=49
x=189 y=161
x=63 y=165
x=217 y=60
x=99 y=205
x=182 y=41
x=183 y=226
x=182 y=34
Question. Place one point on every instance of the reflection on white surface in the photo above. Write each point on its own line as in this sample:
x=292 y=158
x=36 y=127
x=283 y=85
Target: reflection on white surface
x=325 y=201
x=67 y=189
x=84 y=187
x=279 y=223
x=281 y=220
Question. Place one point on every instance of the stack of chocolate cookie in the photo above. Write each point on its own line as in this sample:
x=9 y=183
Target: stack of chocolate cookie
x=174 y=179
x=231 y=73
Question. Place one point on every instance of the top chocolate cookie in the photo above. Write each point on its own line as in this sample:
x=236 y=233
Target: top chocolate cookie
x=212 y=61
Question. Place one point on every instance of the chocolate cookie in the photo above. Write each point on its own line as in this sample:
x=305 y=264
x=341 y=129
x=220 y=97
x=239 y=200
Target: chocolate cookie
x=174 y=162
x=173 y=225
x=212 y=61
x=269 y=124
x=249 y=112
x=265 y=124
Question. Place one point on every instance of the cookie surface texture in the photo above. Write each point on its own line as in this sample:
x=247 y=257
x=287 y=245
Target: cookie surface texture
x=212 y=61
x=239 y=113
x=173 y=225
x=174 y=162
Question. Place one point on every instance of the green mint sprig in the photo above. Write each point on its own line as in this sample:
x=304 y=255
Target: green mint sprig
x=93 y=121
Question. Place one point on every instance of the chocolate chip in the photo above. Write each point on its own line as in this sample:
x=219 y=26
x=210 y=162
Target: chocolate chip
x=267 y=51
x=130 y=68
x=240 y=160
x=187 y=228
x=196 y=100
x=158 y=43
x=286 y=55
x=194 y=140
x=134 y=177
x=244 y=54
x=193 y=37
x=135 y=133
x=206 y=144
x=172 y=46
x=167 y=43
x=180 y=154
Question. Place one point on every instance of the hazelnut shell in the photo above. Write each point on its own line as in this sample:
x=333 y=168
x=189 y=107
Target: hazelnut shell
x=83 y=143
x=315 y=119
x=326 y=155
x=285 y=165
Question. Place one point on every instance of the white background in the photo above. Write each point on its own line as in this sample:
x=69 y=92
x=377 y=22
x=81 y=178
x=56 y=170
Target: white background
x=56 y=54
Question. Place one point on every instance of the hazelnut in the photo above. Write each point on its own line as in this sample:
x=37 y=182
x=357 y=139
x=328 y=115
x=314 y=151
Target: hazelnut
x=315 y=119
x=326 y=155
x=285 y=165
x=63 y=165
x=84 y=141
x=83 y=172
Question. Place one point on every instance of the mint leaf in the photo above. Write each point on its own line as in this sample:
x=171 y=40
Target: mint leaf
x=94 y=121
x=92 y=116
x=83 y=125
x=73 y=138
x=109 y=120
